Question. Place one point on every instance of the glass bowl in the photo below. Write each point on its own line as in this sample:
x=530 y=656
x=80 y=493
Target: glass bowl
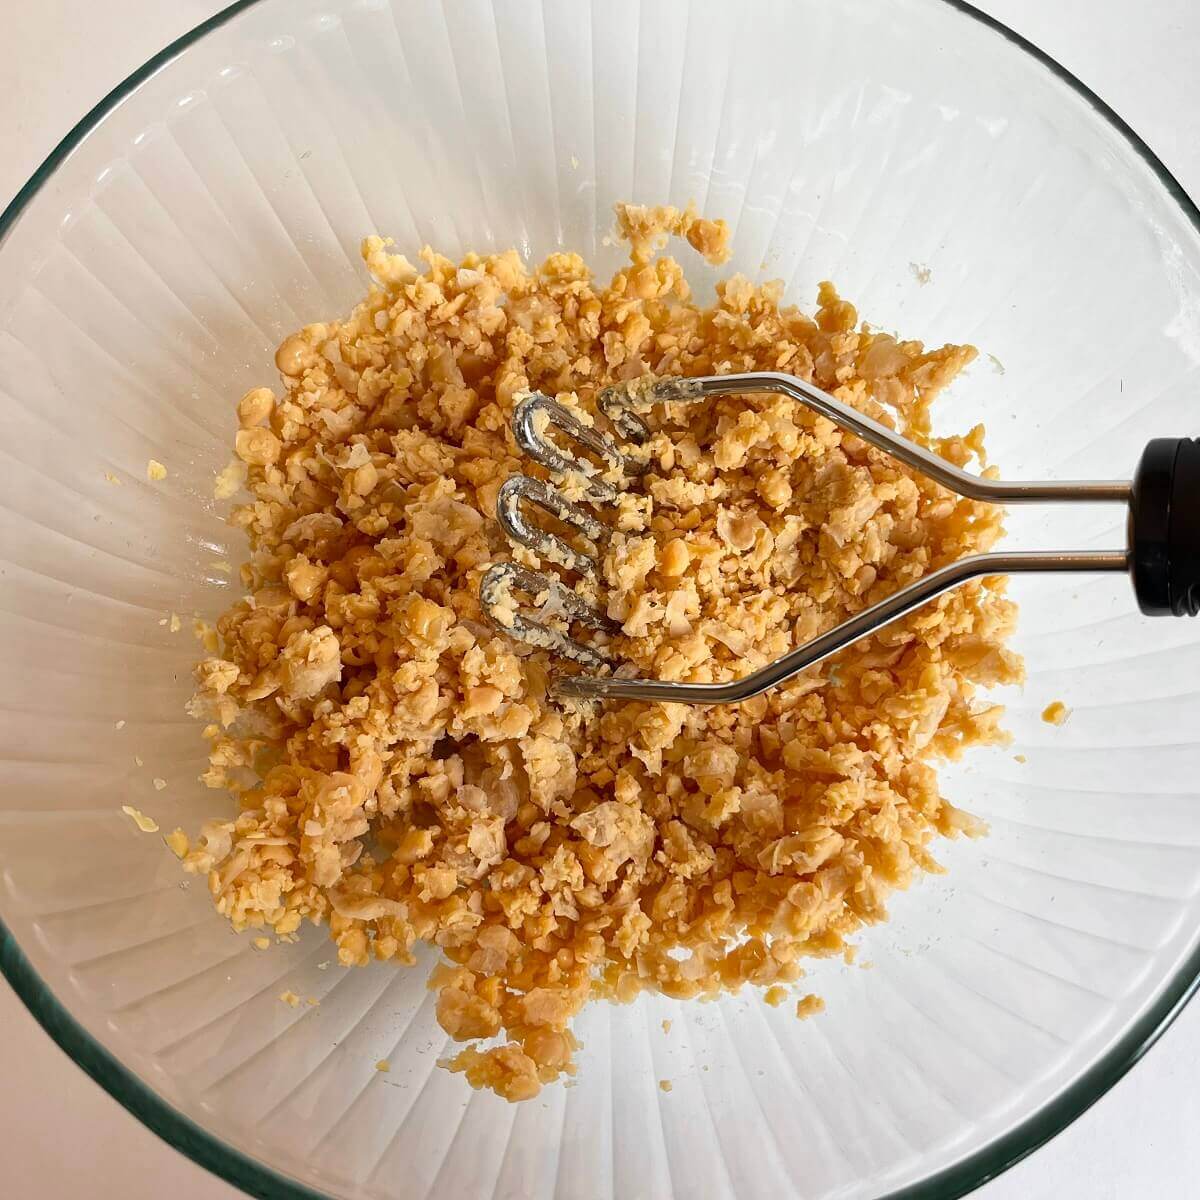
x=958 y=186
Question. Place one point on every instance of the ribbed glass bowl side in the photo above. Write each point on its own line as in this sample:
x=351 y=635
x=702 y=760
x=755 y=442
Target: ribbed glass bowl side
x=215 y=201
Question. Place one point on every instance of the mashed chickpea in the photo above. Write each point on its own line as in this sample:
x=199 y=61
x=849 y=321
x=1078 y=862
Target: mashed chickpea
x=355 y=696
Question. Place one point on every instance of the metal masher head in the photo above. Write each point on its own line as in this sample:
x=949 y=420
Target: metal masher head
x=599 y=466
x=595 y=470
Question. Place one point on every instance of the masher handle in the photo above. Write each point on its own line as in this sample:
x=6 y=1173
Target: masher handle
x=1164 y=528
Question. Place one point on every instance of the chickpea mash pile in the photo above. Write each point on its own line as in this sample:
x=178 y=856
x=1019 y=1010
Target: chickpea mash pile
x=396 y=769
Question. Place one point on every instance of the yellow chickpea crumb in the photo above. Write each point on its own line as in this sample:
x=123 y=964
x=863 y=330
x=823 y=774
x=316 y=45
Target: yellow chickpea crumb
x=290 y=999
x=1020 y=758
x=1055 y=713
x=111 y=478
x=675 y=557
x=664 y=1085
x=144 y=823
x=178 y=842
x=775 y=488
x=262 y=943
x=383 y=1066
x=159 y=784
x=206 y=635
x=155 y=471
x=255 y=407
x=175 y=624
x=229 y=480
x=809 y=1006
x=257 y=447
x=393 y=768
x=293 y=355
x=711 y=240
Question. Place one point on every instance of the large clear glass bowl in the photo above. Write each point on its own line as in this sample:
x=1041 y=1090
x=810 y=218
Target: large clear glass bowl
x=957 y=185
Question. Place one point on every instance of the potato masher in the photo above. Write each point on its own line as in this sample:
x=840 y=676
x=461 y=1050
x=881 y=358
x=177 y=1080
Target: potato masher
x=1162 y=553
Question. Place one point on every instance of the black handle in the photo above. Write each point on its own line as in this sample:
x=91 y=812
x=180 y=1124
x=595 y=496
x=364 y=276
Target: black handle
x=1164 y=528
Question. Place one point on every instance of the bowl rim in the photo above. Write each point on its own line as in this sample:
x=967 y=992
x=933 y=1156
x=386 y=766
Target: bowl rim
x=255 y=1177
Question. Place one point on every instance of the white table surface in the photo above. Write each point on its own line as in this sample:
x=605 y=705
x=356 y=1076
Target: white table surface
x=62 y=1136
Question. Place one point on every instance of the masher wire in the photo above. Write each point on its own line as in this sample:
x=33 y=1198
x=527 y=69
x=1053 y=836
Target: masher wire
x=537 y=414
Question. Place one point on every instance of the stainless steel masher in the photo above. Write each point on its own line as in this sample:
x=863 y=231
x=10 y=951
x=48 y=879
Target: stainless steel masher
x=1162 y=553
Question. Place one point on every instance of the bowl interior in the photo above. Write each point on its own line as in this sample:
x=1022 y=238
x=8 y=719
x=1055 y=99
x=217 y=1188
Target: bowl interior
x=956 y=189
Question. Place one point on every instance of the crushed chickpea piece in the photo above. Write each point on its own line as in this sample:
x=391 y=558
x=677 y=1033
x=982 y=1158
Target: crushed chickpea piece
x=109 y=477
x=646 y=228
x=290 y=999
x=675 y=557
x=159 y=784
x=506 y=1070
x=257 y=447
x=809 y=1006
x=775 y=996
x=144 y=823
x=394 y=766
x=155 y=471
x=206 y=635
x=665 y=1085
x=383 y=1065
x=666 y=1026
x=178 y=842
x=229 y=480
x=175 y=624
x=262 y=943
x=711 y=240
x=255 y=407
x=1055 y=713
